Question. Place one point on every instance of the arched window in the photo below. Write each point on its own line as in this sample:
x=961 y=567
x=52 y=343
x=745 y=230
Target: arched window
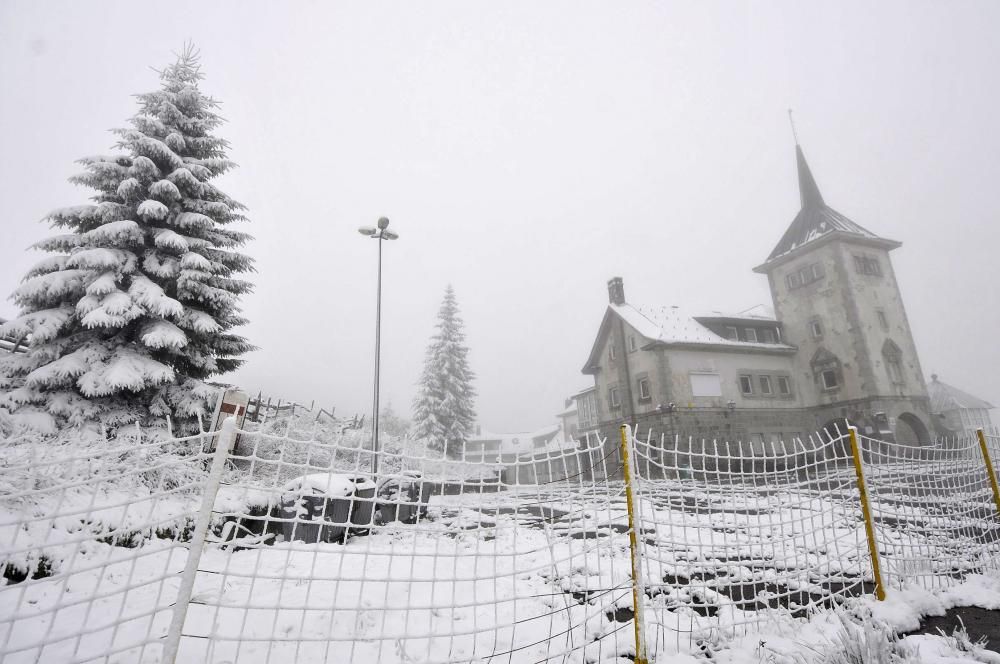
x=893 y=357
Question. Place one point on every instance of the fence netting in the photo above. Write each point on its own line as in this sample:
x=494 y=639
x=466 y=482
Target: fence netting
x=934 y=509
x=309 y=556
x=93 y=543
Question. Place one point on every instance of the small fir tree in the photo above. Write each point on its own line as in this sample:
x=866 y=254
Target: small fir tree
x=135 y=309
x=443 y=411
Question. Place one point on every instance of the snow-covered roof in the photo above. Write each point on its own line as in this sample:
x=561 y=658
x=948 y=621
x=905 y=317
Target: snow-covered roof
x=758 y=312
x=670 y=324
x=944 y=398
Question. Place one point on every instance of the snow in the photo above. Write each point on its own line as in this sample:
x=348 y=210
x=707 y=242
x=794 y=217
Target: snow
x=153 y=210
x=163 y=334
x=114 y=231
x=672 y=325
x=328 y=484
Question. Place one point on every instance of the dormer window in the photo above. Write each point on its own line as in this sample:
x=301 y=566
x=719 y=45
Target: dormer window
x=767 y=335
x=611 y=351
x=751 y=335
x=631 y=344
x=732 y=333
x=826 y=370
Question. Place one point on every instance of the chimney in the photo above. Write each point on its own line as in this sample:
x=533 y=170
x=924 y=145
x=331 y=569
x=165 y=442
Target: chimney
x=616 y=291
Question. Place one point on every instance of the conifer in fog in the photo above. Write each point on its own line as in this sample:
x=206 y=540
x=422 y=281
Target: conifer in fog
x=444 y=411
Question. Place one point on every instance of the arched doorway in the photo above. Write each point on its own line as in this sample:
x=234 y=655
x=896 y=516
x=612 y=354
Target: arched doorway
x=910 y=430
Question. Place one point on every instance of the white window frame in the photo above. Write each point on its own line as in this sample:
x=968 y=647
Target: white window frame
x=732 y=333
x=631 y=344
x=644 y=392
x=883 y=320
x=765 y=380
x=614 y=399
x=836 y=380
x=788 y=386
x=751 y=334
x=816 y=328
x=768 y=336
x=611 y=350
x=749 y=383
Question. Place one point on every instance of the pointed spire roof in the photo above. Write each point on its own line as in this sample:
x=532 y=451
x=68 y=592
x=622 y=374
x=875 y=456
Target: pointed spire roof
x=815 y=218
x=808 y=189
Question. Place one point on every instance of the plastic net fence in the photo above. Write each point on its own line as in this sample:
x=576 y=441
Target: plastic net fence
x=737 y=533
x=934 y=509
x=278 y=544
x=92 y=543
x=436 y=560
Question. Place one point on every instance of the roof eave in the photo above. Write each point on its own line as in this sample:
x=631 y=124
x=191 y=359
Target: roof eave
x=878 y=242
x=737 y=319
x=781 y=349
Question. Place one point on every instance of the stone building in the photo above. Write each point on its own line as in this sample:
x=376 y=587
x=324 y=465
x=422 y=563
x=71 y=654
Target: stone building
x=837 y=347
x=958 y=412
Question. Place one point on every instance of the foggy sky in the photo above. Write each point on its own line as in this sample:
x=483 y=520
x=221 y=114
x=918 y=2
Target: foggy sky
x=527 y=152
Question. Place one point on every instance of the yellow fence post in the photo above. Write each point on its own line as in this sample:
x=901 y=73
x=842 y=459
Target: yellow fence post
x=990 y=471
x=640 y=643
x=866 y=512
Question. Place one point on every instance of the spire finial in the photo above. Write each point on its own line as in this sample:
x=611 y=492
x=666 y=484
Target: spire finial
x=791 y=121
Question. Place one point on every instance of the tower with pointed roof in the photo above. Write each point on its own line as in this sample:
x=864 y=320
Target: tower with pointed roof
x=837 y=298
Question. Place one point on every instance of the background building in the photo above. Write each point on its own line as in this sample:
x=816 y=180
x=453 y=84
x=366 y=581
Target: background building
x=958 y=412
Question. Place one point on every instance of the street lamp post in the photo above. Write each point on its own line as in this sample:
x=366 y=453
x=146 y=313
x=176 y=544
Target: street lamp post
x=380 y=233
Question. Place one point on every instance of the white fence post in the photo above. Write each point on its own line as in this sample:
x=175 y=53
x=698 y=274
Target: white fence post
x=227 y=437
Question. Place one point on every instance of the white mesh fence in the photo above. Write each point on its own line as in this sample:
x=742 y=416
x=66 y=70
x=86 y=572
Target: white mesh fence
x=737 y=533
x=934 y=510
x=308 y=558
x=93 y=542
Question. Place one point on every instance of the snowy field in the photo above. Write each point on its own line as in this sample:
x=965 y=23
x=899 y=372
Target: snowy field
x=529 y=573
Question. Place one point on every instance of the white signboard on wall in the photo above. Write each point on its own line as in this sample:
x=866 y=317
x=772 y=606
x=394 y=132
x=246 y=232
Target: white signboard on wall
x=706 y=385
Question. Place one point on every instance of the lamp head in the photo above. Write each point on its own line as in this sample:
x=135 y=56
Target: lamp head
x=383 y=222
x=367 y=230
x=389 y=235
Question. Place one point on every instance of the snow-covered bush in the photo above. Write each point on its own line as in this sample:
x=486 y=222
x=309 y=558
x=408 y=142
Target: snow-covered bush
x=135 y=308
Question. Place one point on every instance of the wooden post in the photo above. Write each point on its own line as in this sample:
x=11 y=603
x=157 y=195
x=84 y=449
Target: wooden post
x=637 y=590
x=990 y=471
x=866 y=512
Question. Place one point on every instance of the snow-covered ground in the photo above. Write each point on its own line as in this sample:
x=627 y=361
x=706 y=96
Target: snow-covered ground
x=769 y=568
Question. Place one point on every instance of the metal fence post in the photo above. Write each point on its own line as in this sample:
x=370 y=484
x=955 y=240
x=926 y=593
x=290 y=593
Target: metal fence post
x=866 y=512
x=227 y=436
x=637 y=590
x=990 y=471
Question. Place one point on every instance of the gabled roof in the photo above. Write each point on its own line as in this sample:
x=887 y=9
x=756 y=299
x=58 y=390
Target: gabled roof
x=816 y=219
x=944 y=397
x=671 y=326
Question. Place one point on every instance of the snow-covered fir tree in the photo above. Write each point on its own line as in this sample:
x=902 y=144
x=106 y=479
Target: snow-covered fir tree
x=443 y=411
x=135 y=308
